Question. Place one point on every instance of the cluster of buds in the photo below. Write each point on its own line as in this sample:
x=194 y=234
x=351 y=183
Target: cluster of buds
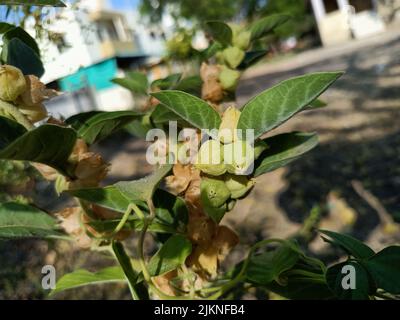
x=26 y=93
x=211 y=186
x=222 y=79
x=228 y=153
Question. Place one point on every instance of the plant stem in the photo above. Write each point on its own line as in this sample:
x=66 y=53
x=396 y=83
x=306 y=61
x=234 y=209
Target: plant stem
x=125 y=217
x=126 y=266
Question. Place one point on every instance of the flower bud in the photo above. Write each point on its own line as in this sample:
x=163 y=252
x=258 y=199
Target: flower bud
x=238 y=185
x=233 y=56
x=12 y=83
x=209 y=158
x=219 y=57
x=229 y=78
x=242 y=39
x=238 y=157
x=227 y=130
x=214 y=192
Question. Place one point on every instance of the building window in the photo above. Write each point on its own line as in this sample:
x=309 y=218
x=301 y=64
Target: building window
x=361 y=5
x=331 y=5
x=106 y=30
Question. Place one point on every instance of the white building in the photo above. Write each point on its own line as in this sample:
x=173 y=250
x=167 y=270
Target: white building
x=341 y=20
x=96 y=44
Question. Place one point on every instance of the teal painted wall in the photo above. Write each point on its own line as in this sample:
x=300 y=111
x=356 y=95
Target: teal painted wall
x=98 y=76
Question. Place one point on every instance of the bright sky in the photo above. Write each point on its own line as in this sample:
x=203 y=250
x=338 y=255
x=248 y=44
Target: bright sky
x=120 y=4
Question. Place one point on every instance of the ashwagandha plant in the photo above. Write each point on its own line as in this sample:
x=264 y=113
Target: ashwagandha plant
x=181 y=204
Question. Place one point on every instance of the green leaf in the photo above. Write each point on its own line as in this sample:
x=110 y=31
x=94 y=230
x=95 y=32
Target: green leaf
x=274 y=106
x=48 y=144
x=191 y=85
x=283 y=149
x=170 y=256
x=268 y=266
x=162 y=115
x=211 y=50
x=104 y=226
x=4 y=27
x=135 y=81
x=251 y=58
x=95 y=126
x=17 y=53
x=108 y=197
x=170 y=210
x=334 y=277
x=171 y=215
x=23 y=221
x=190 y=108
x=351 y=245
x=78 y=120
x=385 y=269
x=139 y=126
x=316 y=104
x=262 y=27
x=301 y=289
x=143 y=189
x=168 y=82
x=53 y=3
x=82 y=277
x=220 y=32
x=22 y=35
x=10 y=131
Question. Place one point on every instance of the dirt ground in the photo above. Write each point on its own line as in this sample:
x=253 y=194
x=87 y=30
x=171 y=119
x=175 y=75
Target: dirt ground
x=359 y=140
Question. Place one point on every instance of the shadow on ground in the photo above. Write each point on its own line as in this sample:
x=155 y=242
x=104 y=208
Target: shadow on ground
x=332 y=167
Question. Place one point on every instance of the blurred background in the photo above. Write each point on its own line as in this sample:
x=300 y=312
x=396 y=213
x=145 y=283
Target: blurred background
x=349 y=183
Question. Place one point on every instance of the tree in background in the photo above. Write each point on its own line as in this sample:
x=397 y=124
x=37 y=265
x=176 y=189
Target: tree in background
x=301 y=20
x=233 y=10
x=193 y=10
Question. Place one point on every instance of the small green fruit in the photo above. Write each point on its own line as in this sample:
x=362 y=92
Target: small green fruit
x=214 y=195
x=219 y=56
x=210 y=158
x=214 y=192
x=236 y=28
x=229 y=78
x=238 y=185
x=233 y=56
x=239 y=157
x=242 y=40
x=12 y=83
